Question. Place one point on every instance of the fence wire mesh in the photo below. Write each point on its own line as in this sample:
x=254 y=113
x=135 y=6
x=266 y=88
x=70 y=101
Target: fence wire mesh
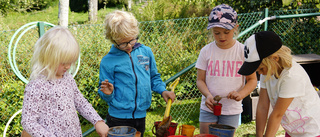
x=175 y=44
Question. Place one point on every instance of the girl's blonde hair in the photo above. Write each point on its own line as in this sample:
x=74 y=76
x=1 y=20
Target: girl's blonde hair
x=274 y=67
x=56 y=46
x=119 y=25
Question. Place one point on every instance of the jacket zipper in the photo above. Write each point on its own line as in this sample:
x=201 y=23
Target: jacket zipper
x=136 y=83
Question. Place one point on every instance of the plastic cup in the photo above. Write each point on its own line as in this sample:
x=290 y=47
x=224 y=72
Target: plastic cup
x=217 y=109
x=186 y=130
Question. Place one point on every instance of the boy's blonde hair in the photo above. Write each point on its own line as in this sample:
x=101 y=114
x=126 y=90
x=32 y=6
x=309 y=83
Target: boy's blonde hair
x=56 y=46
x=119 y=25
x=285 y=61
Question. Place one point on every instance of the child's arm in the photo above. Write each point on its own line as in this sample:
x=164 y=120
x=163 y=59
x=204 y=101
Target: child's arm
x=276 y=115
x=157 y=85
x=84 y=108
x=251 y=84
x=202 y=86
x=262 y=112
x=106 y=77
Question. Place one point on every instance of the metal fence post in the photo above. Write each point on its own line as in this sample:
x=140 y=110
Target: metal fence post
x=266 y=14
x=41 y=28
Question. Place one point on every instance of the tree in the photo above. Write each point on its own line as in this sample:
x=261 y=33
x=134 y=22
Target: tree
x=129 y=4
x=93 y=10
x=63 y=12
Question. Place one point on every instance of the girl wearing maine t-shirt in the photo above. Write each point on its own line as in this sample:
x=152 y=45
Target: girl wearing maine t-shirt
x=217 y=67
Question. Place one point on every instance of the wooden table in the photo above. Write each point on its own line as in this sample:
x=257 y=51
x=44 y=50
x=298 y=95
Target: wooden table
x=307 y=58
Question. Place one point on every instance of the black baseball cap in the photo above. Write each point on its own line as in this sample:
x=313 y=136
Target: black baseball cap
x=257 y=47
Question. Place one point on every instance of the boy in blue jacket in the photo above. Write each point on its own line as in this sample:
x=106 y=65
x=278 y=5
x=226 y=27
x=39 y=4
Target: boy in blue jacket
x=128 y=74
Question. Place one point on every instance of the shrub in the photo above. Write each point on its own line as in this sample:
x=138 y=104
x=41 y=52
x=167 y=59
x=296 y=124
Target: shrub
x=82 y=5
x=24 y=6
x=173 y=9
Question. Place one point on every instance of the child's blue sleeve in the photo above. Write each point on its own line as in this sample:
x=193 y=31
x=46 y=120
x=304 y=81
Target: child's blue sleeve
x=105 y=72
x=157 y=84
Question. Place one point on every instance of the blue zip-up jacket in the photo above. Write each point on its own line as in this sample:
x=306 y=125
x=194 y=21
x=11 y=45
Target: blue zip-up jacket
x=134 y=77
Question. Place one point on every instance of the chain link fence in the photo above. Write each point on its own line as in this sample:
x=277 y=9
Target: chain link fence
x=175 y=44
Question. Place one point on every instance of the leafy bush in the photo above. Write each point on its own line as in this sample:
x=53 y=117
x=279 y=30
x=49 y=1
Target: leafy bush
x=306 y=28
x=82 y=5
x=24 y=6
x=10 y=103
x=174 y=9
x=186 y=37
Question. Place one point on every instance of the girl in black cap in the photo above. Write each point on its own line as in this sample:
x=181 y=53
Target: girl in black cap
x=284 y=84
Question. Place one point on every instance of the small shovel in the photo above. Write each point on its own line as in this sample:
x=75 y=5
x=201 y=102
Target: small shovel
x=165 y=123
x=218 y=98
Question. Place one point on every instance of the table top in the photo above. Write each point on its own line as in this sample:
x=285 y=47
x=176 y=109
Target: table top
x=307 y=58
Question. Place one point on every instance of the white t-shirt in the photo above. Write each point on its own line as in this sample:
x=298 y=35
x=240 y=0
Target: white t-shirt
x=302 y=117
x=222 y=66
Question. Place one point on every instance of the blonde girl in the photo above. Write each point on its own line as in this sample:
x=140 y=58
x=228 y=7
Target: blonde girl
x=284 y=84
x=51 y=98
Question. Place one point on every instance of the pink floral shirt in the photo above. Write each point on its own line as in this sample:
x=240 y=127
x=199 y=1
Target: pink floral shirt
x=50 y=108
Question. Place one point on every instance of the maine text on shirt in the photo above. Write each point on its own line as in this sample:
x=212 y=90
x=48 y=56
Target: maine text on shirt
x=225 y=68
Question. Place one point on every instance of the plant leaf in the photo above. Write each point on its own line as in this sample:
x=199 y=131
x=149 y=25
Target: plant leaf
x=286 y=2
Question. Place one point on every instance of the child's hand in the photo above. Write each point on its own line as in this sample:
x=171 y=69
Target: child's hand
x=102 y=128
x=106 y=87
x=209 y=102
x=168 y=94
x=235 y=96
